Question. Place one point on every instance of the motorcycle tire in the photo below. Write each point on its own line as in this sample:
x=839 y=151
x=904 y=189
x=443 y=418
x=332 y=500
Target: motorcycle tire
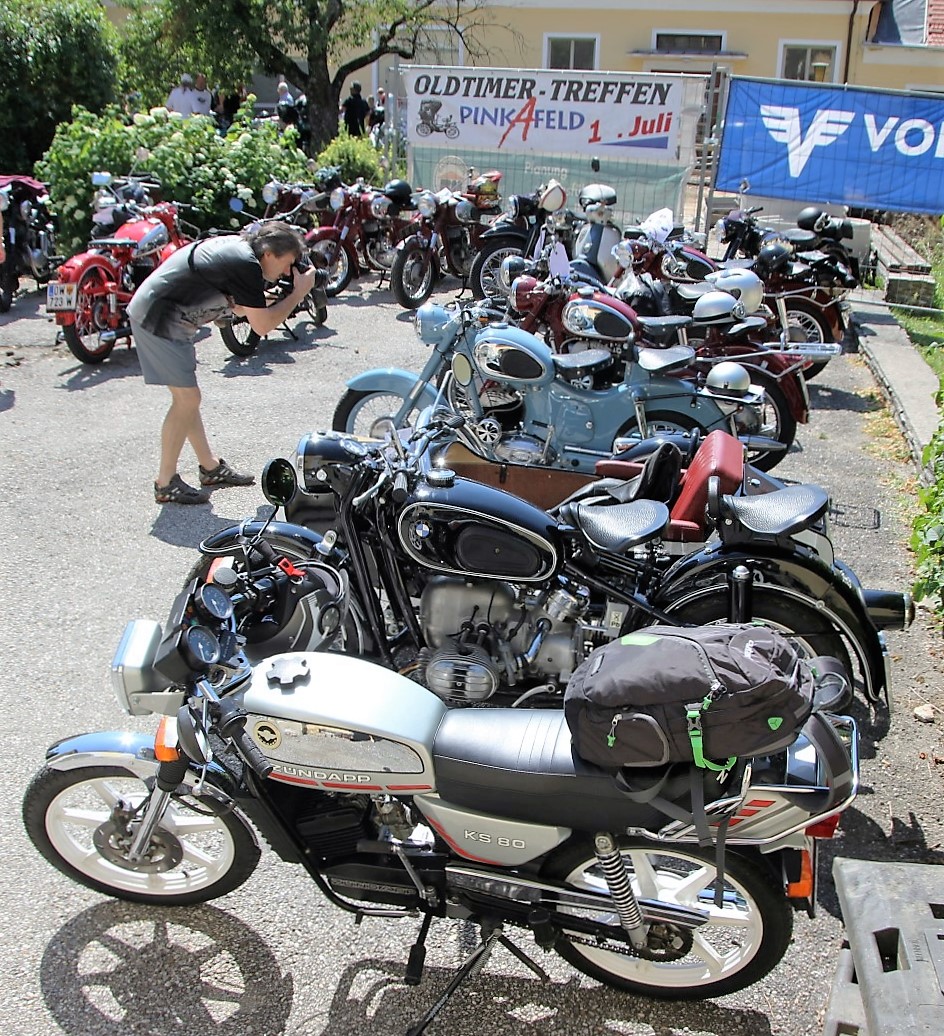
x=806 y=323
x=659 y=422
x=239 y=337
x=67 y=814
x=358 y=412
x=334 y=258
x=742 y=942
x=483 y=277
x=91 y=305
x=413 y=276
x=9 y=281
x=777 y=420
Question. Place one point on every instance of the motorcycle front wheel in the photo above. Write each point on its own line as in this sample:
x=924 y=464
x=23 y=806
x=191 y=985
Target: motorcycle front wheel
x=744 y=939
x=360 y=413
x=413 y=276
x=334 y=258
x=486 y=266
x=84 y=337
x=200 y=850
x=239 y=337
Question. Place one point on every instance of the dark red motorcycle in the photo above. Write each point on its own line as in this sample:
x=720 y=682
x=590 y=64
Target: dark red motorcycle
x=445 y=233
x=29 y=235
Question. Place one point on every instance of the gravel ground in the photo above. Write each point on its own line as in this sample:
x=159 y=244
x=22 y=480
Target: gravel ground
x=85 y=549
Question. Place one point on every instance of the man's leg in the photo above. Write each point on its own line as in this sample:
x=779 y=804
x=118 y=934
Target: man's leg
x=183 y=423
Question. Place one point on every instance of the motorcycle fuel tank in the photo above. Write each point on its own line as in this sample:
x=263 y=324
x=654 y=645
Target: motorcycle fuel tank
x=592 y=315
x=467 y=528
x=507 y=354
x=146 y=236
x=333 y=721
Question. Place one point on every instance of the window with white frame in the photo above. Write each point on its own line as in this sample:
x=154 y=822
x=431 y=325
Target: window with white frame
x=688 y=42
x=570 y=51
x=809 y=62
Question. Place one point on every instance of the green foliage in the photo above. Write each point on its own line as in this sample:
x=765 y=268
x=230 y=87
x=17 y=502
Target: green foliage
x=195 y=164
x=356 y=157
x=927 y=536
x=55 y=53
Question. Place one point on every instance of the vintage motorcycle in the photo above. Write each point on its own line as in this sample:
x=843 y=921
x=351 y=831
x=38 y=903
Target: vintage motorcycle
x=396 y=806
x=368 y=223
x=444 y=233
x=29 y=235
x=90 y=295
x=527 y=404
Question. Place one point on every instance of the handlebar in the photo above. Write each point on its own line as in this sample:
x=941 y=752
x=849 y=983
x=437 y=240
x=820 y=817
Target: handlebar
x=232 y=725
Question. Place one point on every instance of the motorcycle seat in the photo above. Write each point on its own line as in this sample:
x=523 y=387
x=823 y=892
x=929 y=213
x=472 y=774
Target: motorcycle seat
x=520 y=763
x=616 y=528
x=800 y=239
x=655 y=361
x=781 y=513
x=572 y=365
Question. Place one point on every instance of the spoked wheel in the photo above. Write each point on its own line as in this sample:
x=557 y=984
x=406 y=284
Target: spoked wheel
x=413 y=276
x=84 y=337
x=774 y=420
x=333 y=258
x=360 y=413
x=239 y=337
x=657 y=422
x=742 y=941
x=78 y=820
x=484 y=277
x=807 y=325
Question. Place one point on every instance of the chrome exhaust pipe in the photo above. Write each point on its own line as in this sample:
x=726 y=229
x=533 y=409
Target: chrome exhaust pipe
x=889 y=609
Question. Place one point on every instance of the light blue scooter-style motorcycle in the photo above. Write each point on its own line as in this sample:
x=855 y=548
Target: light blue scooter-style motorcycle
x=526 y=404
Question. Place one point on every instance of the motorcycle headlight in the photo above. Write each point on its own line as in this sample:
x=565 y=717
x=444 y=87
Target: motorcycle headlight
x=270 y=193
x=102 y=200
x=466 y=212
x=512 y=207
x=26 y=211
x=379 y=206
x=426 y=204
x=338 y=198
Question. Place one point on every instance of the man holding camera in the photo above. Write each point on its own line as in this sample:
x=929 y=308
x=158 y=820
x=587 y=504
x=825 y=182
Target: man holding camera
x=201 y=283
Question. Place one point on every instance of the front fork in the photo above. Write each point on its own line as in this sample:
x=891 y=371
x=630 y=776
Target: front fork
x=169 y=776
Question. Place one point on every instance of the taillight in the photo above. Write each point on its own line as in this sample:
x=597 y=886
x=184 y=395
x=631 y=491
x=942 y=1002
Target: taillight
x=824 y=828
x=802 y=888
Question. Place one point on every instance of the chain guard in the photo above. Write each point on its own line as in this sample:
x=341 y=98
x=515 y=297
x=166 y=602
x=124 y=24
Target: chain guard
x=665 y=944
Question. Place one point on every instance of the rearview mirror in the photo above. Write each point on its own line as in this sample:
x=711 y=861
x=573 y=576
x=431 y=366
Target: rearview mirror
x=279 y=483
x=236 y=205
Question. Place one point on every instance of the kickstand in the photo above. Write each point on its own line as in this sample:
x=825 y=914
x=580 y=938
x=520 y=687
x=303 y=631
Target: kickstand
x=473 y=964
x=289 y=331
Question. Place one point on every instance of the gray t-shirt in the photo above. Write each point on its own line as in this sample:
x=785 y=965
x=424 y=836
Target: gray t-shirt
x=176 y=300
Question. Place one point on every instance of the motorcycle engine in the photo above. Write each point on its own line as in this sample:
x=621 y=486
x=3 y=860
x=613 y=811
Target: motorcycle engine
x=485 y=636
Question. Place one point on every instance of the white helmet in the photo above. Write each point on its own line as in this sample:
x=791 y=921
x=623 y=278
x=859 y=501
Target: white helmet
x=742 y=284
x=729 y=377
x=718 y=307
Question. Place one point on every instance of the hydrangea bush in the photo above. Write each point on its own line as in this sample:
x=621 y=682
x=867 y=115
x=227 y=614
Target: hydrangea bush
x=196 y=165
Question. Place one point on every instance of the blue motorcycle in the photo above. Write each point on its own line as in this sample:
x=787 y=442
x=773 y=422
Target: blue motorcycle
x=525 y=404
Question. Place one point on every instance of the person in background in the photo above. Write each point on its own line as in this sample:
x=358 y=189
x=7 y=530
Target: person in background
x=201 y=100
x=355 y=111
x=180 y=98
x=207 y=281
x=285 y=95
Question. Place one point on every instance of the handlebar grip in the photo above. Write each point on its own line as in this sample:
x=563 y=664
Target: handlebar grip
x=267 y=551
x=252 y=754
x=401 y=488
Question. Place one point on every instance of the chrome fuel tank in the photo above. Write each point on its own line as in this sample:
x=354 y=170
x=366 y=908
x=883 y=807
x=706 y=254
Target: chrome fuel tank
x=332 y=721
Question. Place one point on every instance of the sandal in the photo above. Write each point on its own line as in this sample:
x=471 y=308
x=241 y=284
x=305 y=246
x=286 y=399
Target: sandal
x=178 y=492
x=224 y=475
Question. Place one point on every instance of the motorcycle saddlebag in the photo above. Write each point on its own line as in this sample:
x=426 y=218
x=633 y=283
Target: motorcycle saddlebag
x=707 y=695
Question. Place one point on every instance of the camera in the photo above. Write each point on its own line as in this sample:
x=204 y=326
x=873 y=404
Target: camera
x=302 y=263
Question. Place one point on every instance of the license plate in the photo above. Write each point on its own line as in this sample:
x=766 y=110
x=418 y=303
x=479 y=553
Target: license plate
x=60 y=296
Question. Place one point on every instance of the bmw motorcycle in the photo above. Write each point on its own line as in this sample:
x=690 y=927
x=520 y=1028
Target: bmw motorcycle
x=397 y=806
x=29 y=235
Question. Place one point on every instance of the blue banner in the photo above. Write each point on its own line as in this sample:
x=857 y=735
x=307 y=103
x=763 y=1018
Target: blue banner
x=807 y=142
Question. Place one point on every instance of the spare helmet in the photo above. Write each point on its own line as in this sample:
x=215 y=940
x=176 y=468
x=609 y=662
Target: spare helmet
x=729 y=377
x=812 y=218
x=718 y=307
x=398 y=191
x=552 y=197
x=742 y=284
x=773 y=256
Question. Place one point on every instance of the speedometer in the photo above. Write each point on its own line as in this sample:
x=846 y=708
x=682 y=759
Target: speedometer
x=213 y=602
x=201 y=647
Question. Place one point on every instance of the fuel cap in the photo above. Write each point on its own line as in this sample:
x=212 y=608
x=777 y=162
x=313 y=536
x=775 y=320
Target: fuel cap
x=441 y=478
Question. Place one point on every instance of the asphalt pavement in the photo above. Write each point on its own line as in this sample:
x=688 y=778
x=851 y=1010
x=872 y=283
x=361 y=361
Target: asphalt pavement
x=85 y=549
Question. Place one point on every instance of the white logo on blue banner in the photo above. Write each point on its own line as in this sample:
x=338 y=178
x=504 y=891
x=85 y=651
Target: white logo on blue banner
x=878 y=149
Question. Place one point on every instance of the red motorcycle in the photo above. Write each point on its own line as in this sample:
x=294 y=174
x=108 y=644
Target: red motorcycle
x=89 y=298
x=446 y=231
x=368 y=223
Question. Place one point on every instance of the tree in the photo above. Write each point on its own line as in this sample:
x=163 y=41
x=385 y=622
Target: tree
x=315 y=44
x=56 y=53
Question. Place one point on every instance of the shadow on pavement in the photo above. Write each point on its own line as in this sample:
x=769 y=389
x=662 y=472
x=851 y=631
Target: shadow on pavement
x=188 y=525
x=7 y=399
x=122 y=363
x=121 y=968
x=823 y=397
x=273 y=352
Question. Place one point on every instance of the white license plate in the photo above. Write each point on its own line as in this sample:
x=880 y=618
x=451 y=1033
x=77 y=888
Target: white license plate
x=60 y=296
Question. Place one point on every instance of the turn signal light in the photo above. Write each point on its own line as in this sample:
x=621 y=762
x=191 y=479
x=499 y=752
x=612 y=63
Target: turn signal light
x=165 y=741
x=824 y=828
x=803 y=887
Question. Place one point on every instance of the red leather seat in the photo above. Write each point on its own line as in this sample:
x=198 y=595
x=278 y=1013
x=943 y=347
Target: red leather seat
x=718 y=454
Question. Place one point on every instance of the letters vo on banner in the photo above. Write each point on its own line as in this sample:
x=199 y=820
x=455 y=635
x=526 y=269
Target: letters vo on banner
x=877 y=149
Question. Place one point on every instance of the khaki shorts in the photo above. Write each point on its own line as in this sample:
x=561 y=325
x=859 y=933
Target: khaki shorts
x=165 y=361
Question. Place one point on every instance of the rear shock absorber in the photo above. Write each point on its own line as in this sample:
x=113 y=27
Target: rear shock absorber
x=617 y=880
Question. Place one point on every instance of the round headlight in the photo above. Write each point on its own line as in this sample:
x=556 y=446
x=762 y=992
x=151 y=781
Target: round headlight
x=426 y=204
x=338 y=198
x=379 y=206
x=102 y=200
x=26 y=211
x=466 y=212
x=270 y=193
x=512 y=207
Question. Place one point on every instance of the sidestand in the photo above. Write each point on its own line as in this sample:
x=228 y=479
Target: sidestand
x=492 y=935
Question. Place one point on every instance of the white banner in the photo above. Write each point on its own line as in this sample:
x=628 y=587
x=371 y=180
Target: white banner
x=625 y=114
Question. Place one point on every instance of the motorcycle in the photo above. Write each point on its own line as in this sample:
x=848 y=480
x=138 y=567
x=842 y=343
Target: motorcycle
x=430 y=122
x=593 y=248
x=397 y=807
x=530 y=224
x=29 y=235
x=526 y=403
x=445 y=231
x=90 y=295
x=283 y=200
x=368 y=224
